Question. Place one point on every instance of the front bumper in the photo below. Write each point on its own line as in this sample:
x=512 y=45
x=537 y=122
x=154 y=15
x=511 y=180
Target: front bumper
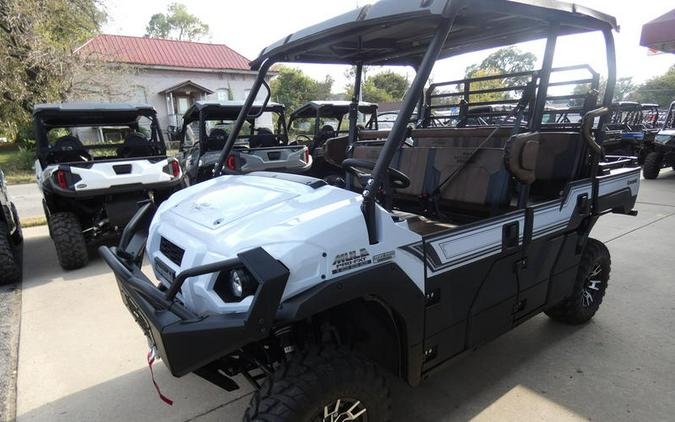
x=185 y=341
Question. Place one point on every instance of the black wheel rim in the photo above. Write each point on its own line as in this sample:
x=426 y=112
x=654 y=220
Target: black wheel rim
x=343 y=410
x=593 y=284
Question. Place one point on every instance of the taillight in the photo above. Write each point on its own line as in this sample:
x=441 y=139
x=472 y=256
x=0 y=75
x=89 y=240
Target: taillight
x=306 y=155
x=231 y=162
x=61 y=179
x=175 y=168
x=172 y=169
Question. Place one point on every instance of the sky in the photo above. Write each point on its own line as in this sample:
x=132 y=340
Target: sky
x=248 y=26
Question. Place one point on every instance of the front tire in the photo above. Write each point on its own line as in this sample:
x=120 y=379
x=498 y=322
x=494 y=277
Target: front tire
x=71 y=248
x=589 y=287
x=652 y=165
x=10 y=263
x=324 y=385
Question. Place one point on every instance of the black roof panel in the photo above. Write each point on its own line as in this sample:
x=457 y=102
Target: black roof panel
x=94 y=114
x=397 y=32
x=334 y=109
x=226 y=110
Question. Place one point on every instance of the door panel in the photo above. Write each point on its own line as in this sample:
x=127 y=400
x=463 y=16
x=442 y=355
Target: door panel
x=471 y=284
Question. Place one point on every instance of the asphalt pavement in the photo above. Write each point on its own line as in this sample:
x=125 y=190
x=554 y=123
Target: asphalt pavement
x=28 y=200
x=82 y=358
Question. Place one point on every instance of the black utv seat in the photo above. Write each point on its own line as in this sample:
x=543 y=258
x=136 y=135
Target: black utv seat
x=265 y=138
x=216 y=140
x=68 y=149
x=135 y=146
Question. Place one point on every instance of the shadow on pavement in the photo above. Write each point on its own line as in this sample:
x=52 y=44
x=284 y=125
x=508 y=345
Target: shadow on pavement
x=132 y=397
x=41 y=266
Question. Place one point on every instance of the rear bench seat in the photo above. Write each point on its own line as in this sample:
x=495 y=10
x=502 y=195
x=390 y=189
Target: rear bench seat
x=485 y=183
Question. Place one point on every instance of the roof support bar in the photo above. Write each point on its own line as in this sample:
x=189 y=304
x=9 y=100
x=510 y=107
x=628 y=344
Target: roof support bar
x=544 y=78
x=243 y=115
x=354 y=114
x=398 y=132
x=610 y=48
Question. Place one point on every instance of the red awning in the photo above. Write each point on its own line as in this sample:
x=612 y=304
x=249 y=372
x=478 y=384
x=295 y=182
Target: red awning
x=659 y=34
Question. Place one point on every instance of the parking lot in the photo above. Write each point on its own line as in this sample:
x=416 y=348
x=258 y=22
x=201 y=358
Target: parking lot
x=81 y=357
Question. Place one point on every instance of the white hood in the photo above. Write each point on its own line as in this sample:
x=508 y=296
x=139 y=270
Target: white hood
x=223 y=203
x=306 y=228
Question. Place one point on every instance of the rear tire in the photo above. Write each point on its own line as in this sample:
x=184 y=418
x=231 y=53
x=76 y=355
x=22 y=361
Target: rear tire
x=71 y=248
x=10 y=263
x=589 y=287
x=652 y=165
x=328 y=384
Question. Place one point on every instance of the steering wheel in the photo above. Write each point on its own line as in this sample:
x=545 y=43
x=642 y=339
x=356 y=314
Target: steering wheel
x=303 y=138
x=354 y=166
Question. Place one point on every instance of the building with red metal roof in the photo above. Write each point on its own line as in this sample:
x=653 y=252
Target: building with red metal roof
x=170 y=74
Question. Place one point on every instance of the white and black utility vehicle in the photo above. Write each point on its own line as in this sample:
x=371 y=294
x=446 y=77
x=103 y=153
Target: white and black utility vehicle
x=11 y=238
x=324 y=127
x=96 y=164
x=262 y=143
x=662 y=153
x=447 y=238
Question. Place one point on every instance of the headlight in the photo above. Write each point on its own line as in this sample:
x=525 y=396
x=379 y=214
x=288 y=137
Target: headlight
x=241 y=283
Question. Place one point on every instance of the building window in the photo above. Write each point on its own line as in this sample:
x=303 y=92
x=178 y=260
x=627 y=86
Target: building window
x=223 y=94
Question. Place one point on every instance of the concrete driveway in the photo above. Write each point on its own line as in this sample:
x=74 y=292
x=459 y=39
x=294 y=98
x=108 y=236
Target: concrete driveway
x=82 y=358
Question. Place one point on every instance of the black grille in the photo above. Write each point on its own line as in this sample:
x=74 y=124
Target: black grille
x=171 y=251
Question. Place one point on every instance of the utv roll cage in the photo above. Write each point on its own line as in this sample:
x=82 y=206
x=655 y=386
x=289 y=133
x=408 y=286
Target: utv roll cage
x=417 y=34
x=336 y=110
x=72 y=115
x=459 y=103
x=204 y=112
x=669 y=122
x=626 y=116
x=651 y=114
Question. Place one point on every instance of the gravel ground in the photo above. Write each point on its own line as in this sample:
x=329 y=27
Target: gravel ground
x=10 y=312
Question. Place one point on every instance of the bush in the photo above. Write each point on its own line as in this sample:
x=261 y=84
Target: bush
x=25 y=159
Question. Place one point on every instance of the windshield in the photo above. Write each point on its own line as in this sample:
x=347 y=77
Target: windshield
x=304 y=129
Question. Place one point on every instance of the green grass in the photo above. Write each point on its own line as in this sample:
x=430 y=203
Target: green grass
x=10 y=163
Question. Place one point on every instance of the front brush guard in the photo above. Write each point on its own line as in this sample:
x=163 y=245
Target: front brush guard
x=184 y=340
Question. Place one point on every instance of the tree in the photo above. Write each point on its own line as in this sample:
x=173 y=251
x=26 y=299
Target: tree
x=624 y=87
x=37 y=39
x=293 y=88
x=489 y=84
x=177 y=24
x=383 y=87
x=505 y=60
x=658 y=90
x=394 y=84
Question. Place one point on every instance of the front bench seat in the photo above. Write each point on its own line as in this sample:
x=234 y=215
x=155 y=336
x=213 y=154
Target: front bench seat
x=483 y=184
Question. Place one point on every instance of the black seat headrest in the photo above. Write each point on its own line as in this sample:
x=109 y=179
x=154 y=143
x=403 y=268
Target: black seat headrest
x=68 y=149
x=68 y=143
x=135 y=145
x=216 y=139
